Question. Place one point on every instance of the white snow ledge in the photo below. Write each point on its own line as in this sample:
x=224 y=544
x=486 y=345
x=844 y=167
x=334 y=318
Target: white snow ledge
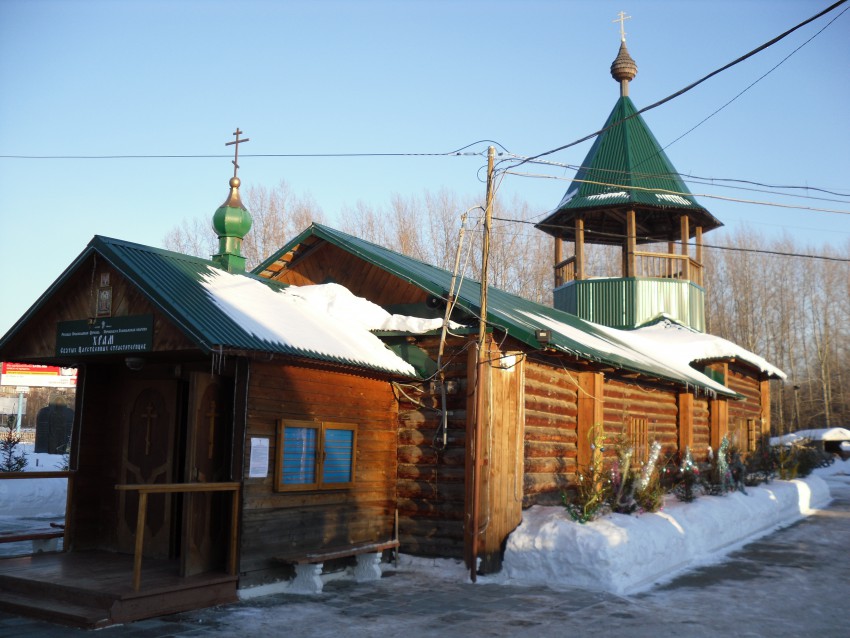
x=627 y=554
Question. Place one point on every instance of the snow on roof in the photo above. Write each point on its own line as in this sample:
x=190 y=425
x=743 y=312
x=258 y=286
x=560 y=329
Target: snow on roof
x=627 y=345
x=675 y=199
x=324 y=319
x=671 y=340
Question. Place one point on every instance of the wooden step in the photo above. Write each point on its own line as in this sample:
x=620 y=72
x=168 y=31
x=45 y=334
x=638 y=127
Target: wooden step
x=44 y=590
x=55 y=611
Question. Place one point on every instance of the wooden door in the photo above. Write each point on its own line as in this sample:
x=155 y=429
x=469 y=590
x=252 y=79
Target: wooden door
x=205 y=514
x=148 y=422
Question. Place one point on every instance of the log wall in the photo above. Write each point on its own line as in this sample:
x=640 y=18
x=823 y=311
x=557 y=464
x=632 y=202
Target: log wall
x=702 y=425
x=288 y=523
x=431 y=489
x=624 y=400
x=745 y=381
x=329 y=263
x=551 y=396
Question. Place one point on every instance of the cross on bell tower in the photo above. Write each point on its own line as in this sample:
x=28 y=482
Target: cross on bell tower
x=622 y=20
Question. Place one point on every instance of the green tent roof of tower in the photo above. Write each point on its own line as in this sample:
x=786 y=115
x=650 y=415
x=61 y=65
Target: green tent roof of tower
x=626 y=169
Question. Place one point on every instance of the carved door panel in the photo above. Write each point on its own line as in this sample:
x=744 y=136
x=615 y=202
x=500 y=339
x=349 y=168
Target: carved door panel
x=148 y=422
x=205 y=514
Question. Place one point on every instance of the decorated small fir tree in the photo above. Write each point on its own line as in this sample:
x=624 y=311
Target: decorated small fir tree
x=11 y=459
x=649 y=493
x=688 y=486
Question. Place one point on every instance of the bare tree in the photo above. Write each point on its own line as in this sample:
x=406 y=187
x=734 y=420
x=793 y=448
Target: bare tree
x=277 y=215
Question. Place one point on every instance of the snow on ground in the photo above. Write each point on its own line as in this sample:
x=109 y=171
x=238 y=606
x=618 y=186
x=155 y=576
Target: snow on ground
x=32 y=503
x=26 y=498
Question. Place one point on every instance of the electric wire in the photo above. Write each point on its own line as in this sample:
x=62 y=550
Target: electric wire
x=690 y=86
x=771 y=70
x=457 y=152
x=704 y=245
x=672 y=192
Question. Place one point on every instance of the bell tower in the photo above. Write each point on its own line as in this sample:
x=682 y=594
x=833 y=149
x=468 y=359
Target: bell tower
x=627 y=193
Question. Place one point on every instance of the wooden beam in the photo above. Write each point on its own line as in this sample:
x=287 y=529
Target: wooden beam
x=579 y=267
x=591 y=403
x=719 y=413
x=140 y=539
x=684 y=221
x=698 y=241
x=629 y=269
x=764 y=391
x=671 y=264
x=559 y=257
x=685 y=421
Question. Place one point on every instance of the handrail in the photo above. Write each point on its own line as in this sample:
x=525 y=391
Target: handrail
x=648 y=264
x=35 y=475
x=175 y=488
x=565 y=271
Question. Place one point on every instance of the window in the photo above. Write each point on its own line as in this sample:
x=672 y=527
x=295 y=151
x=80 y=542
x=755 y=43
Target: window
x=312 y=455
x=639 y=439
x=747 y=436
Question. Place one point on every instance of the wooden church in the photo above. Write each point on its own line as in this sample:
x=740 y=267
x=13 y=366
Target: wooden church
x=229 y=434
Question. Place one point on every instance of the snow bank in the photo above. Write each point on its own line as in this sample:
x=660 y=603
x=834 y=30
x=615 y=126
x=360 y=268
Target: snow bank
x=34 y=498
x=626 y=554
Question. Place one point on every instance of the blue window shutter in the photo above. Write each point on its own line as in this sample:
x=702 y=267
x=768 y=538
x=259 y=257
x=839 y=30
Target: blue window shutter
x=299 y=456
x=338 y=466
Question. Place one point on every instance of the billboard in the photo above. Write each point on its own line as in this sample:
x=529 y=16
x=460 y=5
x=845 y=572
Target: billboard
x=25 y=374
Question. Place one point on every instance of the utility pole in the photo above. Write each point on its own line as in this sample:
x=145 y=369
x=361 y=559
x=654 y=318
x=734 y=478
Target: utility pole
x=485 y=253
x=482 y=408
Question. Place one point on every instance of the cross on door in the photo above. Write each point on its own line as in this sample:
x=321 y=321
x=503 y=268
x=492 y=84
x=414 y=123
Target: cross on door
x=149 y=417
x=211 y=414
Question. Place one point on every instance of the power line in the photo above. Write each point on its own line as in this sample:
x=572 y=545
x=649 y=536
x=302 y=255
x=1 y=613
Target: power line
x=657 y=240
x=780 y=63
x=687 y=177
x=672 y=192
x=692 y=85
x=457 y=152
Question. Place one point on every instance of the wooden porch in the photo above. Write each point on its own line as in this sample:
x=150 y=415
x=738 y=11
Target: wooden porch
x=95 y=589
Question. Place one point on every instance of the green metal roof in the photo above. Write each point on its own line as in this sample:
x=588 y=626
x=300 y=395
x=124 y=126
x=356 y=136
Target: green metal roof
x=626 y=168
x=518 y=317
x=173 y=282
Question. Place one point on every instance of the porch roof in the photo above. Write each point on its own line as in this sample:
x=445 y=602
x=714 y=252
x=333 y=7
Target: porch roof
x=224 y=312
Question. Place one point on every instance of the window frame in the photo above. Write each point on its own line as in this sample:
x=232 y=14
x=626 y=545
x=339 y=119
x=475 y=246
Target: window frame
x=639 y=435
x=320 y=455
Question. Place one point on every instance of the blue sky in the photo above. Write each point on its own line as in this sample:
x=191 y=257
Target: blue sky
x=177 y=77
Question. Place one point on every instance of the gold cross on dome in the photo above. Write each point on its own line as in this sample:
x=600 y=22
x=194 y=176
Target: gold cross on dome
x=237 y=142
x=622 y=20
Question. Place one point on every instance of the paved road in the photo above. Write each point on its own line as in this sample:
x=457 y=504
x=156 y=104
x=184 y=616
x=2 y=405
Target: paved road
x=792 y=583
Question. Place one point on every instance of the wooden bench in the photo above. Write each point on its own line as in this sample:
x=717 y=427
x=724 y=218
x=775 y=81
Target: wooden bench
x=43 y=540
x=308 y=566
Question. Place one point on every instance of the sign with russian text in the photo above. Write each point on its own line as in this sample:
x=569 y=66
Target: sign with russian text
x=25 y=376
x=110 y=335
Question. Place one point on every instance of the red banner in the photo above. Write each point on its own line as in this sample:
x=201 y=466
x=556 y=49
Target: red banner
x=26 y=374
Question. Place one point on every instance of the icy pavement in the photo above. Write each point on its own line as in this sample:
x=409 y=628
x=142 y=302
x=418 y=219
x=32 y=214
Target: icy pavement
x=790 y=583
